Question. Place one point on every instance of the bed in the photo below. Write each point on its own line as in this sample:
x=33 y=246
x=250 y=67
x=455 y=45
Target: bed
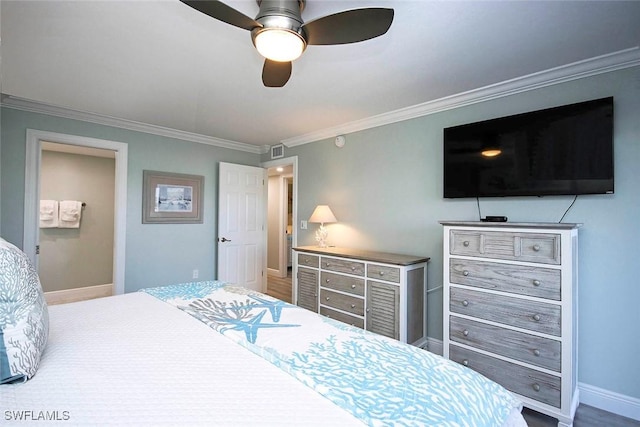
x=212 y=353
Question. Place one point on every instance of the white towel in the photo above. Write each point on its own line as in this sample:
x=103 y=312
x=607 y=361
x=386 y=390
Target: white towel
x=70 y=214
x=48 y=213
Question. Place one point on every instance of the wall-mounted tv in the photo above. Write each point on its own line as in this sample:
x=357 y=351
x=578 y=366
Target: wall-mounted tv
x=565 y=150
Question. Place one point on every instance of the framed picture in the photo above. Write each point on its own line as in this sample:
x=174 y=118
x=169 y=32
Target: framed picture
x=171 y=198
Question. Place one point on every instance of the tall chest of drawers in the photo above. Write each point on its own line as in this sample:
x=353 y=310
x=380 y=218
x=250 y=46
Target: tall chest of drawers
x=510 y=308
x=380 y=292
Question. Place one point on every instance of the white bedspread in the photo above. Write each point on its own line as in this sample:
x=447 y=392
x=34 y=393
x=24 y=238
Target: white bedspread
x=377 y=379
x=106 y=365
x=120 y=360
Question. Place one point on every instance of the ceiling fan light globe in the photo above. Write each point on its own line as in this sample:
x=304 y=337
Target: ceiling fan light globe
x=279 y=44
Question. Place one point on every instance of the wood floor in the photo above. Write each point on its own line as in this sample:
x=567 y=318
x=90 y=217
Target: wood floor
x=586 y=416
x=280 y=287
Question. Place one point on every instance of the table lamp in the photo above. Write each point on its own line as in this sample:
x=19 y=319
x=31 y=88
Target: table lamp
x=322 y=214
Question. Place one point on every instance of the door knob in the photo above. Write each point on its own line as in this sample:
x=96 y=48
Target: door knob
x=224 y=239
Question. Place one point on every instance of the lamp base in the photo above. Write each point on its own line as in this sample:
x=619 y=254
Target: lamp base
x=321 y=236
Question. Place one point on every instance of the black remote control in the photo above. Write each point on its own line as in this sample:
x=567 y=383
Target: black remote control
x=490 y=218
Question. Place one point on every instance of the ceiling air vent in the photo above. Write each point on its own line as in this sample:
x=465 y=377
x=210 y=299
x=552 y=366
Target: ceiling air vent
x=277 y=151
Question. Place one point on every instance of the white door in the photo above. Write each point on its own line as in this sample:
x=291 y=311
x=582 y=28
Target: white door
x=241 y=229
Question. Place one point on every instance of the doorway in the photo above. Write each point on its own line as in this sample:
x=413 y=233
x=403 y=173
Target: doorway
x=281 y=230
x=31 y=236
x=75 y=259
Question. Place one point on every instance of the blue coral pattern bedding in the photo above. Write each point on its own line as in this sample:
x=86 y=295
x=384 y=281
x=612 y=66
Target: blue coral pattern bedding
x=379 y=380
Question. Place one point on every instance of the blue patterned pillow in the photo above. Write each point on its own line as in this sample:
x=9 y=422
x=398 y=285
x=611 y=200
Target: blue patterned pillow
x=24 y=319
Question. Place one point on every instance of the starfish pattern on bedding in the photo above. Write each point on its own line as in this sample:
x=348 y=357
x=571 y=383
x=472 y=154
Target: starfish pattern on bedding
x=237 y=315
x=275 y=307
x=252 y=326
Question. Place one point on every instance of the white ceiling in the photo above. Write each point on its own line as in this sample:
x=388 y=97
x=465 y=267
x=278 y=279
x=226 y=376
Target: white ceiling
x=163 y=63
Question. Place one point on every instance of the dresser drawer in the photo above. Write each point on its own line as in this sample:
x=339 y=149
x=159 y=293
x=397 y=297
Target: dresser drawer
x=535 y=316
x=339 y=282
x=342 y=317
x=530 y=247
x=343 y=302
x=383 y=272
x=308 y=260
x=543 y=352
x=519 y=279
x=528 y=382
x=343 y=266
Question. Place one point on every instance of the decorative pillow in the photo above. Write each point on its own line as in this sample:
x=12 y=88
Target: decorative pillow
x=24 y=318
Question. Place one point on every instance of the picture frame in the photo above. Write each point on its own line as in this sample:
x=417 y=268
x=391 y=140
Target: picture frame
x=172 y=198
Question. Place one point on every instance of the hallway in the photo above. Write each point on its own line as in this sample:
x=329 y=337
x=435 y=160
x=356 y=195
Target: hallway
x=280 y=287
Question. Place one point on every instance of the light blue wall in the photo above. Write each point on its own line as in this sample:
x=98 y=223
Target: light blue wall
x=156 y=254
x=385 y=188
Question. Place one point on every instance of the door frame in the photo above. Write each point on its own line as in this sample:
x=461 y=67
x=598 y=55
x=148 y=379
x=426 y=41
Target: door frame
x=33 y=160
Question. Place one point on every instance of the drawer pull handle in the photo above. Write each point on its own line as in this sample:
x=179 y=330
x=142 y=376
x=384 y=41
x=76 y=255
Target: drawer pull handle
x=465 y=333
x=465 y=303
x=536 y=387
x=465 y=362
x=353 y=268
x=353 y=306
x=315 y=295
x=465 y=273
x=327 y=280
x=536 y=352
x=536 y=282
x=327 y=264
x=353 y=286
x=381 y=273
x=536 y=317
x=465 y=243
x=368 y=310
x=536 y=248
x=327 y=298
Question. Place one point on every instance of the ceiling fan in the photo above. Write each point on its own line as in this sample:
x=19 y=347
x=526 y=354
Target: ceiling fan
x=280 y=35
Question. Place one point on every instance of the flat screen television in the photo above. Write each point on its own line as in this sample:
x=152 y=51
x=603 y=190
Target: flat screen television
x=565 y=150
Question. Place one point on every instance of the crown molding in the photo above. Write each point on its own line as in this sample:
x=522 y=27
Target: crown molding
x=598 y=65
x=38 y=107
x=593 y=66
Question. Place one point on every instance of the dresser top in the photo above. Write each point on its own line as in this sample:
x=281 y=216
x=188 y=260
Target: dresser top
x=540 y=225
x=382 y=257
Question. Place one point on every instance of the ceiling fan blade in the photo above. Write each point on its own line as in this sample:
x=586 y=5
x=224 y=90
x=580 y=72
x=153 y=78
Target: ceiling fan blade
x=350 y=26
x=275 y=74
x=224 y=13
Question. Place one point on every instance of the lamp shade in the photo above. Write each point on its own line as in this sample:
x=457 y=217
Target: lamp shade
x=322 y=214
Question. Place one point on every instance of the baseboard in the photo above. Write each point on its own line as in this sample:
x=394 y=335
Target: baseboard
x=78 y=294
x=434 y=346
x=610 y=401
x=606 y=400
